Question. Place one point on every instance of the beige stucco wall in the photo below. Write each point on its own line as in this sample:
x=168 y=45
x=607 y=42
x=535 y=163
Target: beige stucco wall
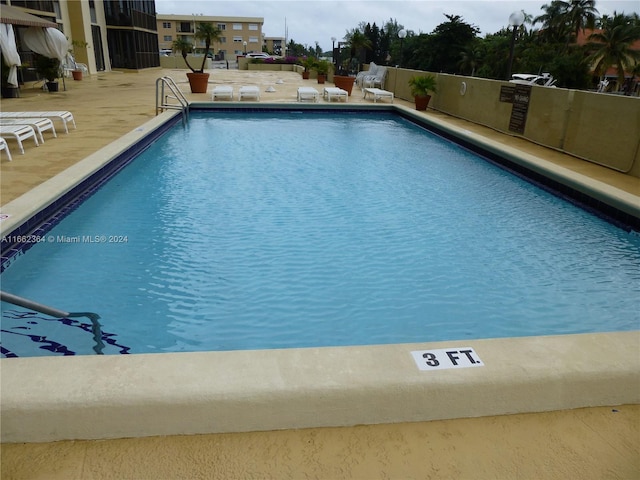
x=601 y=128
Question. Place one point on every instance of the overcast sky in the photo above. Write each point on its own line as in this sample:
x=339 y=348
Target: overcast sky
x=311 y=21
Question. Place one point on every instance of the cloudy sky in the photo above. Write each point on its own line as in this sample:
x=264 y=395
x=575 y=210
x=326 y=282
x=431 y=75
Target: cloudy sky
x=311 y=21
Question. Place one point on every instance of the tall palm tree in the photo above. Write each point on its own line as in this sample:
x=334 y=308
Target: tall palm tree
x=613 y=46
x=579 y=14
x=553 y=20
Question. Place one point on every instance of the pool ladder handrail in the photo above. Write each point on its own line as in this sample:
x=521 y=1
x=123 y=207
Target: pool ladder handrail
x=162 y=98
x=54 y=312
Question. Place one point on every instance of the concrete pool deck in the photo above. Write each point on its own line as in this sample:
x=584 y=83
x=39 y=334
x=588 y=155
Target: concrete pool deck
x=581 y=443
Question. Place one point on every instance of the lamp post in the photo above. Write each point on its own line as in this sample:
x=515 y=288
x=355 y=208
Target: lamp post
x=245 y=47
x=515 y=20
x=333 y=52
x=401 y=34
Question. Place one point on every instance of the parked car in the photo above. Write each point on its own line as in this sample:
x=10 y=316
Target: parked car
x=258 y=55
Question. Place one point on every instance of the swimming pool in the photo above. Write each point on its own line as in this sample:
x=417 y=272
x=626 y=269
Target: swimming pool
x=416 y=241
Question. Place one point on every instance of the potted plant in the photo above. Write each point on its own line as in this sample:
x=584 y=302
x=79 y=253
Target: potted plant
x=76 y=72
x=198 y=80
x=308 y=63
x=49 y=69
x=322 y=69
x=345 y=76
x=421 y=88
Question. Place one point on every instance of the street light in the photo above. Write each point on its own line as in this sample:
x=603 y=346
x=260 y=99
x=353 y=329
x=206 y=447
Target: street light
x=401 y=34
x=515 y=20
x=333 y=50
x=245 y=47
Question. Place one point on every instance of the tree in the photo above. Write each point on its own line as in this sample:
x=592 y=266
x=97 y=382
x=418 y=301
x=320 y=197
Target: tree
x=357 y=42
x=447 y=41
x=579 y=14
x=207 y=32
x=613 y=46
x=470 y=58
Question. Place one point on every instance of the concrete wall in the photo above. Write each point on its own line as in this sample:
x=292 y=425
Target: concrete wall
x=600 y=128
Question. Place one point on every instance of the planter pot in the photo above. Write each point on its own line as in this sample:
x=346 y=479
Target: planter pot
x=345 y=83
x=321 y=78
x=10 y=92
x=305 y=75
x=422 y=102
x=198 y=82
x=77 y=74
x=52 y=86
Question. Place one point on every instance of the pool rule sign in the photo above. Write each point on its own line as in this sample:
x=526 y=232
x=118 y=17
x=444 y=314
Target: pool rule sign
x=521 y=97
x=442 y=358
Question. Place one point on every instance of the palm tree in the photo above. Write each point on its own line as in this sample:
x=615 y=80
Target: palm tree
x=554 y=27
x=470 y=58
x=357 y=42
x=208 y=33
x=185 y=47
x=613 y=46
x=204 y=31
x=579 y=14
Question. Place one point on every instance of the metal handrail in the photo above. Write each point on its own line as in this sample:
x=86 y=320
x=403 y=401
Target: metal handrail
x=54 y=312
x=162 y=98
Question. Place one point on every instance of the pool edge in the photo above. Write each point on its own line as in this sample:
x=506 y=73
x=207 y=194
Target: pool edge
x=102 y=397
x=107 y=397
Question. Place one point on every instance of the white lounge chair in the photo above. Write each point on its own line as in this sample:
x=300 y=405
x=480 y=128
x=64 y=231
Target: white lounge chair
x=377 y=94
x=18 y=133
x=308 y=93
x=335 y=92
x=64 y=116
x=375 y=79
x=222 y=91
x=250 y=91
x=39 y=125
x=5 y=147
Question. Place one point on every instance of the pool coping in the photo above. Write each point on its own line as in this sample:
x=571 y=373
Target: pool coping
x=101 y=397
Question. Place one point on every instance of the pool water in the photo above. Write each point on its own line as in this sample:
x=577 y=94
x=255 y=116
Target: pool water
x=279 y=230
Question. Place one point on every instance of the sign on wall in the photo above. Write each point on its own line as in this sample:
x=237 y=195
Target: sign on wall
x=521 y=97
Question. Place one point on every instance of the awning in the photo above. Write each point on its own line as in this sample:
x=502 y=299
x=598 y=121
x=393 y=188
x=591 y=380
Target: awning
x=14 y=16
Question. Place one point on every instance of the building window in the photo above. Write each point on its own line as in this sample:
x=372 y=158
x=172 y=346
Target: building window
x=222 y=26
x=253 y=26
x=237 y=26
x=166 y=24
x=253 y=39
x=167 y=38
x=222 y=40
x=237 y=39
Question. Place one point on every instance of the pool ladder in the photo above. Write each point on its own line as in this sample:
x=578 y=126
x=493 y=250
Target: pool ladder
x=54 y=312
x=169 y=97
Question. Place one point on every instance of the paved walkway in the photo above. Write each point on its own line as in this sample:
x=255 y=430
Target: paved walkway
x=593 y=443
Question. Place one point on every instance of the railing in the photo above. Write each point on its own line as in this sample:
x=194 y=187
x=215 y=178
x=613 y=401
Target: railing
x=163 y=98
x=54 y=312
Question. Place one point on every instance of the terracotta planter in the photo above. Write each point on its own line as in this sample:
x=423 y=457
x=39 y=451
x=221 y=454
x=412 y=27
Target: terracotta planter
x=198 y=82
x=422 y=102
x=345 y=83
x=305 y=75
x=77 y=74
x=321 y=78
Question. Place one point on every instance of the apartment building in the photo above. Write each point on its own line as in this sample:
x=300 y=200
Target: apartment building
x=108 y=34
x=240 y=35
x=274 y=45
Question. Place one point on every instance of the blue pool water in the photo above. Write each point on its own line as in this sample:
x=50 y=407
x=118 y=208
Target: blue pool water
x=278 y=230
